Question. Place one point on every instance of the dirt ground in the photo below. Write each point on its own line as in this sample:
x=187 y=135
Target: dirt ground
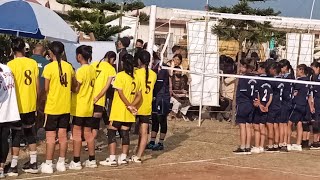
x=193 y=152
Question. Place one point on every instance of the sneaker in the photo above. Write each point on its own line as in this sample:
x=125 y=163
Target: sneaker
x=2 y=176
x=248 y=151
x=271 y=150
x=150 y=145
x=315 y=146
x=90 y=164
x=108 y=162
x=284 y=149
x=75 y=166
x=289 y=147
x=136 y=159
x=122 y=161
x=158 y=147
x=30 y=168
x=276 y=149
x=61 y=166
x=46 y=168
x=13 y=171
x=261 y=149
x=296 y=147
x=255 y=150
x=240 y=151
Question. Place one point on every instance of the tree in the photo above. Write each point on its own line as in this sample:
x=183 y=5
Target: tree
x=244 y=30
x=94 y=20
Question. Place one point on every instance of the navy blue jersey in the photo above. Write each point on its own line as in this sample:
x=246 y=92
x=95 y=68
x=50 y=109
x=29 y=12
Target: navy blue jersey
x=288 y=88
x=245 y=90
x=302 y=91
x=263 y=90
x=316 y=88
x=277 y=88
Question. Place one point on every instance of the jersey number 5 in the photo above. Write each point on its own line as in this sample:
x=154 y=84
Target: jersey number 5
x=148 y=88
x=28 y=79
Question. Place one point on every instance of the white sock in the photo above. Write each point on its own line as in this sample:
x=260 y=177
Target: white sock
x=62 y=159
x=33 y=157
x=14 y=161
x=123 y=156
x=49 y=162
x=112 y=157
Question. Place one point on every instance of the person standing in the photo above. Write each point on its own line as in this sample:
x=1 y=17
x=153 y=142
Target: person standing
x=122 y=45
x=26 y=72
x=9 y=112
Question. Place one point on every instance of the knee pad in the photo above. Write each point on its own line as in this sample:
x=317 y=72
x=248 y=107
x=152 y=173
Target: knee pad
x=16 y=137
x=315 y=127
x=62 y=136
x=76 y=134
x=125 y=137
x=111 y=136
x=30 y=135
x=51 y=137
x=305 y=126
x=88 y=135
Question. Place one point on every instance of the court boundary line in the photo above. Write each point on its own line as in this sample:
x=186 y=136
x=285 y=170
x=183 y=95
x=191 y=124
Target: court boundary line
x=173 y=163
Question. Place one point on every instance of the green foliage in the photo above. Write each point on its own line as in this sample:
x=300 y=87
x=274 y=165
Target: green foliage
x=94 y=21
x=143 y=17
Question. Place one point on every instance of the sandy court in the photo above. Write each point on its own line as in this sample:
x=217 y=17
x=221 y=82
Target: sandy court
x=205 y=152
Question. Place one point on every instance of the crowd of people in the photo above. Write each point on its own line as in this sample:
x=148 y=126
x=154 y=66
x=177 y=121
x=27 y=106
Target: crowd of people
x=46 y=91
x=268 y=110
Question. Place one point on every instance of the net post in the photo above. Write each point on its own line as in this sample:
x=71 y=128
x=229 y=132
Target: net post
x=152 y=27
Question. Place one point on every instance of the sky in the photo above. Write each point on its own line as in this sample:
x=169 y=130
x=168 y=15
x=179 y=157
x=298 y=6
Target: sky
x=289 y=8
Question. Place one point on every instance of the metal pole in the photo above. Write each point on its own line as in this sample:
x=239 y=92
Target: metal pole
x=120 y=18
x=152 y=27
x=204 y=53
x=311 y=13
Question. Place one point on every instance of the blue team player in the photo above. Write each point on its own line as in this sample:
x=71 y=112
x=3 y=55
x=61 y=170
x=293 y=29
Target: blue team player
x=315 y=107
x=245 y=108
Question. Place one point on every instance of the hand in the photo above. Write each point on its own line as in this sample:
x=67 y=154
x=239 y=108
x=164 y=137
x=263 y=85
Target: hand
x=295 y=93
x=256 y=102
x=265 y=108
x=133 y=110
x=95 y=100
x=312 y=110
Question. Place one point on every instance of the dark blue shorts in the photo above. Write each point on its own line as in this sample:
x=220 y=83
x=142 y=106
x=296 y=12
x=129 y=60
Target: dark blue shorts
x=161 y=105
x=244 y=113
x=298 y=113
x=285 y=112
x=274 y=116
x=259 y=117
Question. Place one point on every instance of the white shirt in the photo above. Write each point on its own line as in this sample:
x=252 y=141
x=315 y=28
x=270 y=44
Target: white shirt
x=8 y=101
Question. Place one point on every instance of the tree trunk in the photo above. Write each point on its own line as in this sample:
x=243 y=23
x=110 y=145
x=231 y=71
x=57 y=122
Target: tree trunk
x=234 y=104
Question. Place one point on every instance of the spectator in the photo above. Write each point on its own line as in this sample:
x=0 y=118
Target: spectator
x=176 y=50
x=139 y=43
x=122 y=45
x=180 y=99
x=175 y=62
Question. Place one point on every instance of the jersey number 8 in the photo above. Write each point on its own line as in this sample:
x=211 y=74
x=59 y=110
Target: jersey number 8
x=28 y=79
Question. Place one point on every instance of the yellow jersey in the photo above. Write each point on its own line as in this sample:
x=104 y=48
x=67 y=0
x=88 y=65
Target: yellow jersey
x=82 y=102
x=103 y=73
x=130 y=87
x=145 y=106
x=26 y=73
x=59 y=95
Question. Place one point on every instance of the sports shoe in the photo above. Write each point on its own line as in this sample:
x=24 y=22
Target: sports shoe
x=289 y=147
x=271 y=150
x=240 y=151
x=136 y=159
x=61 y=166
x=255 y=150
x=248 y=151
x=150 y=145
x=108 y=162
x=284 y=149
x=296 y=147
x=46 y=168
x=90 y=164
x=13 y=171
x=2 y=174
x=261 y=149
x=315 y=146
x=75 y=166
x=122 y=161
x=158 y=147
x=30 y=168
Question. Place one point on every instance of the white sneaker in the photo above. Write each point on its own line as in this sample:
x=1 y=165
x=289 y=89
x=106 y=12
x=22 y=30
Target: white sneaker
x=296 y=147
x=136 y=159
x=2 y=176
x=61 y=167
x=90 y=164
x=261 y=149
x=255 y=150
x=108 y=162
x=46 y=168
x=289 y=147
x=122 y=161
x=75 y=166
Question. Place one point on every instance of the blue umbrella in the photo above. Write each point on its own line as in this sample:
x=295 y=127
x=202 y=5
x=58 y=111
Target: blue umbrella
x=28 y=19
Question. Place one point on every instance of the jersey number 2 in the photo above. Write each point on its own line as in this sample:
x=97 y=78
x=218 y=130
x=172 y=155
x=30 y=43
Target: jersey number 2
x=28 y=79
x=264 y=98
x=133 y=89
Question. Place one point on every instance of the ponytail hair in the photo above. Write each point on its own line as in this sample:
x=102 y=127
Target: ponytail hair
x=109 y=55
x=128 y=65
x=274 y=65
x=57 y=48
x=145 y=57
x=286 y=63
x=85 y=51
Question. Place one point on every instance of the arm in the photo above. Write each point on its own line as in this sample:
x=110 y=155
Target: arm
x=75 y=85
x=103 y=91
x=38 y=87
x=137 y=99
x=311 y=103
x=46 y=85
x=123 y=97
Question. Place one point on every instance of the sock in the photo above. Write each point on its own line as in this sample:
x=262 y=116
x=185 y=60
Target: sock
x=247 y=146
x=161 y=141
x=62 y=159
x=33 y=157
x=112 y=157
x=284 y=144
x=14 y=161
x=152 y=141
x=91 y=158
x=242 y=147
x=123 y=156
x=280 y=145
x=49 y=162
x=275 y=146
x=76 y=159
